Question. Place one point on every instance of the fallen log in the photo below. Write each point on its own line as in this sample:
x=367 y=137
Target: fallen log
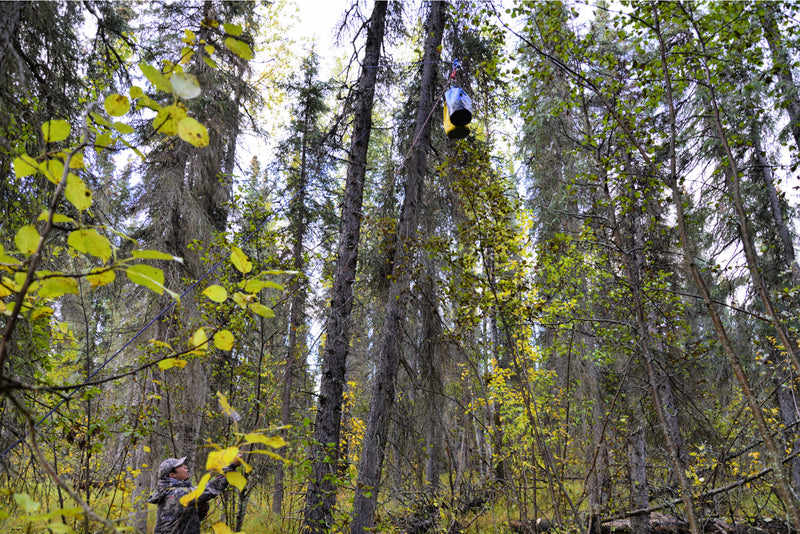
x=668 y=524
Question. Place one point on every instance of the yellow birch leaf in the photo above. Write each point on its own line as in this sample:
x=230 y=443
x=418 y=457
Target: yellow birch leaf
x=199 y=339
x=262 y=310
x=42 y=311
x=276 y=442
x=77 y=193
x=240 y=48
x=100 y=277
x=150 y=254
x=166 y=120
x=155 y=76
x=55 y=130
x=193 y=132
x=89 y=241
x=240 y=261
x=136 y=92
x=201 y=487
x=53 y=169
x=25 y=165
x=76 y=161
x=223 y=340
x=216 y=293
x=236 y=479
x=147 y=276
x=117 y=105
x=169 y=363
x=27 y=239
x=57 y=286
x=241 y=300
x=219 y=460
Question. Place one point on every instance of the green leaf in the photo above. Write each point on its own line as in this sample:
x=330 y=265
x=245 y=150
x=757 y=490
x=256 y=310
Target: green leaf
x=240 y=48
x=193 y=132
x=89 y=241
x=232 y=29
x=25 y=165
x=27 y=239
x=150 y=254
x=262 y=310
x=27 y=504
x=55 y=130
x=216 y=293
x=101 y=277
x=117 y=105
x=185 y=85
x=158 y=80
x=136 y=92
x=236 y=479
x=240 y=261
x=77 y=193
x=122 y=128
x=147 y=276
x=210 y=62
x=169 y=363
x=57 y=286
x=223 y=340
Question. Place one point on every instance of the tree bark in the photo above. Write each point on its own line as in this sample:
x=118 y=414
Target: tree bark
x=640 y=495
x=321 y=493
x=383 y=387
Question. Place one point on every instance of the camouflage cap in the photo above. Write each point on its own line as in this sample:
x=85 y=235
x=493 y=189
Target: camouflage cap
x=168 y=465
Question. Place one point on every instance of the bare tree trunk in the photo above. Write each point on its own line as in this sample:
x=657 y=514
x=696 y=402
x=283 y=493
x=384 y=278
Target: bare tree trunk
x=383 y=387
x=321 y=493
x=640 y=495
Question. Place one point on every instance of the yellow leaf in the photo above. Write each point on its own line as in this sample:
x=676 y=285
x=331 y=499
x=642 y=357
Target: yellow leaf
x=77 y=193
x=161 y=344
x=236 y=479
x=58 y=218
x=57 y=286
x=25 y=165
x=240 y=48
x=223 y=340
x=216 y=293
x=117 y=105
x=154 y=255
x=254 y=285
x=76 y=162
x=53 y=169
x=147 y=276
x=240 y=261
x=262 y=310
x=166 y=120
x=241 y=299
x=101 y=277
x=169 y=363
x=219 y=460
x=135 y=92
x=43 y=311
x=221 y=528
x=122 y=128
x=27 y=239
x=193 y=132
x=146 y=448
x=276 y=442
x=55 y=130
x=226 y=408
x=89 y=241
x=201 y=487
x=158 y=80
x=199 y=339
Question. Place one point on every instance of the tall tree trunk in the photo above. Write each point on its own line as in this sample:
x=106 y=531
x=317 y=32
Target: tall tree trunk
x=383 y=387
x=640 y=495
x=782 y=63
x=321 y=493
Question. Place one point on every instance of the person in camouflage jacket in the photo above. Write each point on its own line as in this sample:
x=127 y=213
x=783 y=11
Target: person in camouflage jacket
x=173 y=483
